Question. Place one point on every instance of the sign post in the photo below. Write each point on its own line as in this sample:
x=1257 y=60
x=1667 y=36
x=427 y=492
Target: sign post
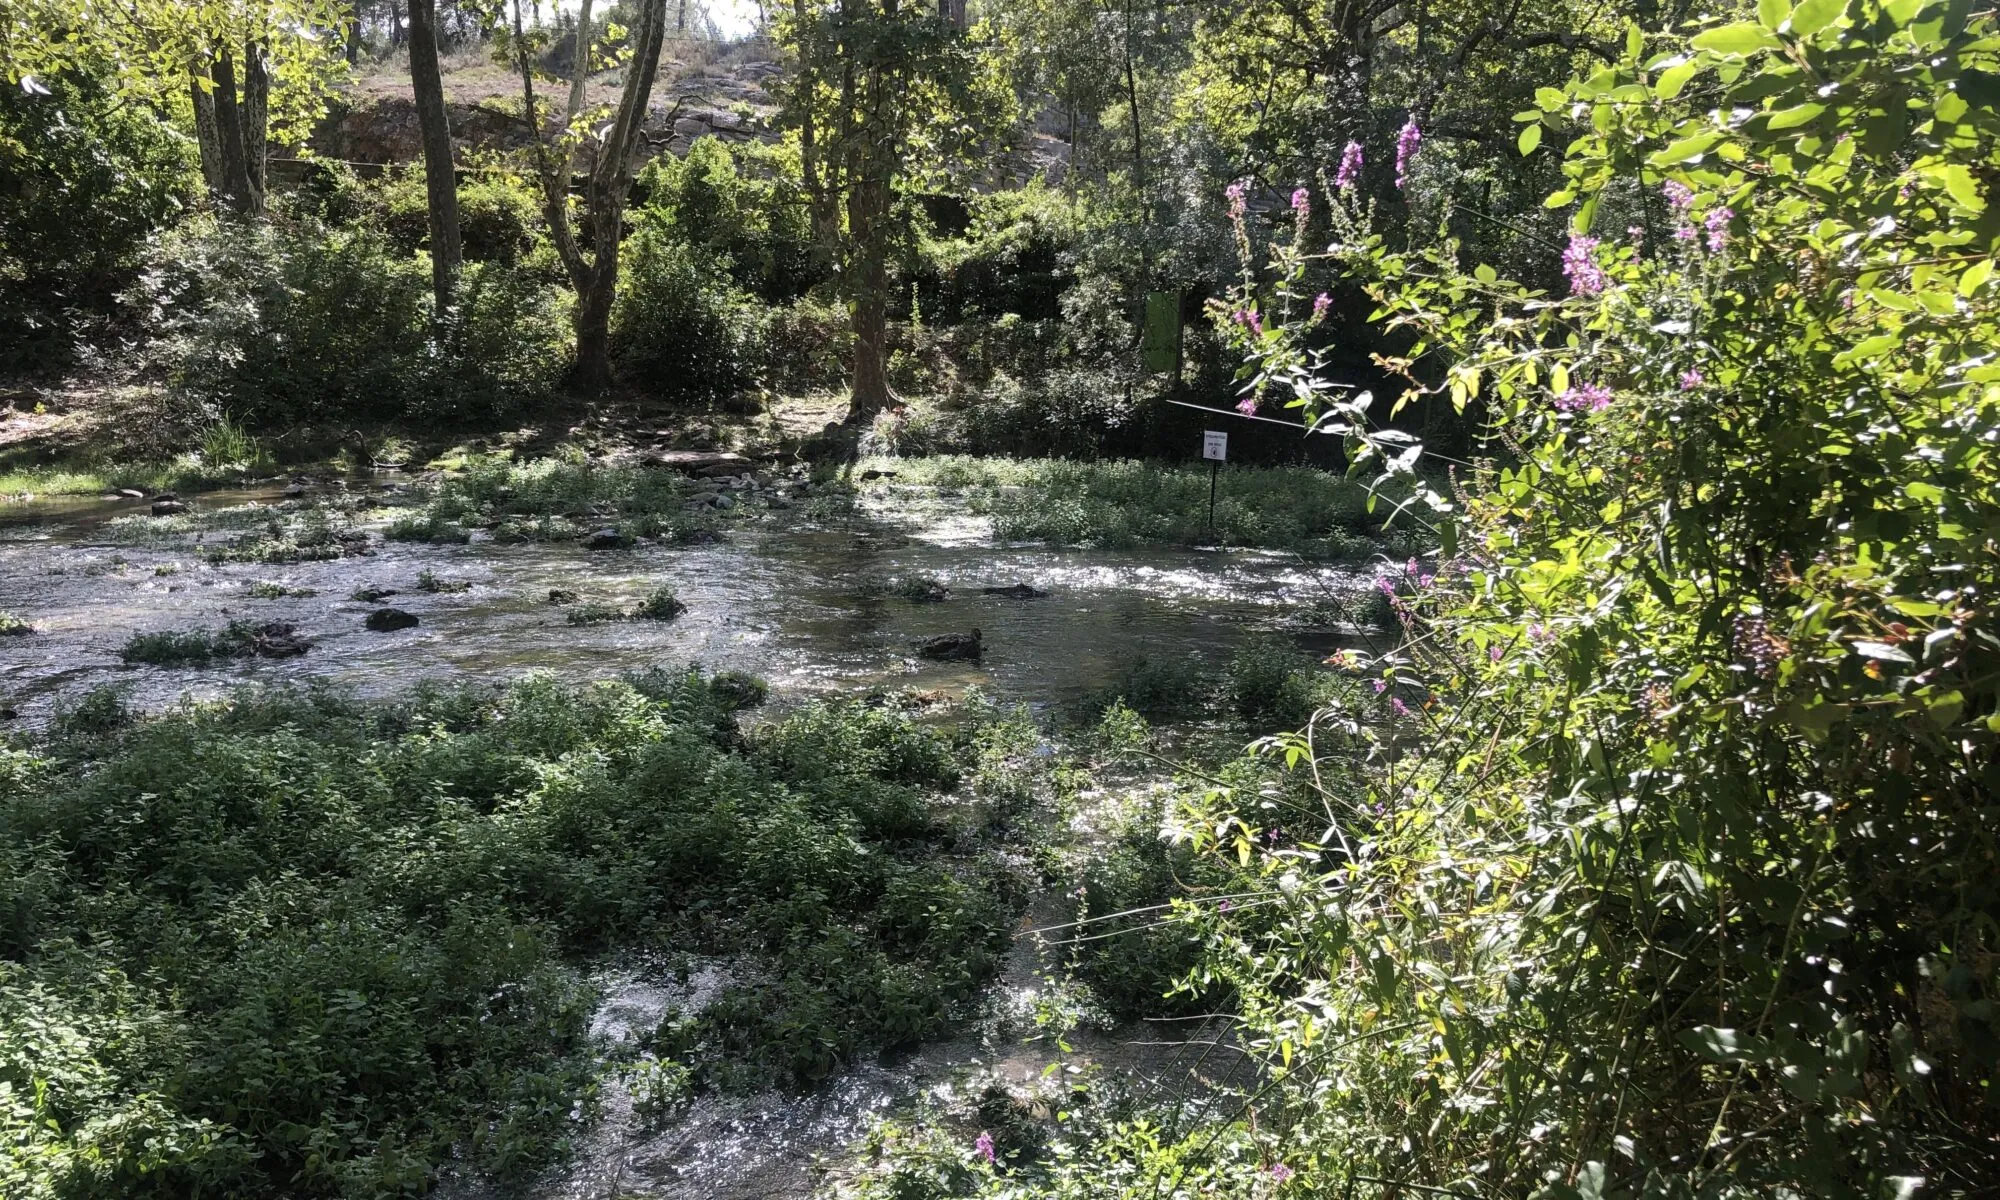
x=1214 y=448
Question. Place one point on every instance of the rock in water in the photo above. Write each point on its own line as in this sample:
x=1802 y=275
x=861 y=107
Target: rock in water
x=278 y=640
x=168 y=508
x=606 y=538
x=1020 y=591
x=372 y=595
x=953 y=647
x=389 y=620
x=131 y=494
x=562 y=596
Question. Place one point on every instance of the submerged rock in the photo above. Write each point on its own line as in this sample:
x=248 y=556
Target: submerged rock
x=389 y=620
x=606 y=538
x=953 y=647
x=562 y=596
x=278 y=640
x=694 y=461
x=372 y=595
x=1019 y=591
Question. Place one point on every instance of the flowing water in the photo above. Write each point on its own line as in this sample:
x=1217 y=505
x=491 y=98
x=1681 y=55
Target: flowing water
x=784 y=599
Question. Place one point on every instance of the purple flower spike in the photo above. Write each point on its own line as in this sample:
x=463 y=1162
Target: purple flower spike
x=1247 y=406
x=1690 y=379
x=1279 y=1172
x=1401 y=709
x=1586 y=278
x=1300 y=199
x=983 y=1146
x=1717 y=224
x=1592 y=396
x=1408 y=138
x=1350 y=166
x=1321 y=303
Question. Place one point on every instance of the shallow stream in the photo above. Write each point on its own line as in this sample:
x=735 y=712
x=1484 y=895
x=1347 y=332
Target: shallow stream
x=788 y=600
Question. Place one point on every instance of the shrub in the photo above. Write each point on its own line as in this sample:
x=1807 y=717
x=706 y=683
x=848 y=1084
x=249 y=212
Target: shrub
x=84 y=181
x=361 y=925
x=681 y=327
x=279 y=323
x=499 y=215
x=745 y=206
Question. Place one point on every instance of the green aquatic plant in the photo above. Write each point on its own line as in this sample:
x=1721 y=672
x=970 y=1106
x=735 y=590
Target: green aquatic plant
x=316 y=945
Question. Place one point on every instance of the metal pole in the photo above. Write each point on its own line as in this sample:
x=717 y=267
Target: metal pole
x=1214 y=471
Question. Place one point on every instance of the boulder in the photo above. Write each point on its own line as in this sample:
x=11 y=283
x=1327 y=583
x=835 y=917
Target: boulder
x=1019 y=591
x=279 y=640
x=168 y=508
x=372 y=595
x=695 y=461
x=389 y=620
x=606 y=538
x=562 y=596
x=690 y=127
x=131 y=494
x=953 y=647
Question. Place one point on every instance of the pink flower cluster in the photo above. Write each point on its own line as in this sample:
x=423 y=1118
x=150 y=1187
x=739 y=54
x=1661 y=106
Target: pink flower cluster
x=1408 y=138
x=1321 y=303
x=1592 y=396
x=983 y=1147
x=1235 y=193
x=1680 y=198
x=1717 y=224
x=1350 y=166
x=1690 y=379
x=1300 y=199
x=1586 y=278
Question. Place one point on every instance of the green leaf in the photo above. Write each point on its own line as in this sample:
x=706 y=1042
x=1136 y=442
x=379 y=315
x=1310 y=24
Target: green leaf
x=1721 y=1045
x=1744 y=37
x=1963 y=188
x=1559 y=199
x=1686 y=150
x=1811 y=16
x=1883 y=651
x=1672 y=80
x=1976 y=274
x=1550 y=99
x=1792 y=118
x=1531 y=137
x=1772 y=13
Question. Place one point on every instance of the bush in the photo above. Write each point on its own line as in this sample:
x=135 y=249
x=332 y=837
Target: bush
x=681 y=327
x=295 y=943
x=744 y=206
x=277 y=323
x=499 y=215
x=85 y=180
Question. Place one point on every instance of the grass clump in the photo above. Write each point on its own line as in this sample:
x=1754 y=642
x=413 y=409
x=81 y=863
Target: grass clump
x=13 y=626
x=660 y=604
x=190 y=647
x=593 y=612
x=554 y=500
x=432 y=582
x=300 y=944
x=1122 y=503
x=267 y=590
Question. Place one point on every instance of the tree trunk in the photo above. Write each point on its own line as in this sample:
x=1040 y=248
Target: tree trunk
x=867 y=223
x=440 y=174
x=255 y=116
x=593 y=331
x=594 y=274
x=207 y=135
x=235 y=191
x=354 y=35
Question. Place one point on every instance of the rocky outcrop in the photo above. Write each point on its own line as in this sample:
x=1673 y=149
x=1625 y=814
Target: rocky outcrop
x=389 y=620
x=953 y=647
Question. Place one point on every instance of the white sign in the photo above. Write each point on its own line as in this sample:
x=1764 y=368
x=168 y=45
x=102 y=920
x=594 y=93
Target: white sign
x=1215 y=445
